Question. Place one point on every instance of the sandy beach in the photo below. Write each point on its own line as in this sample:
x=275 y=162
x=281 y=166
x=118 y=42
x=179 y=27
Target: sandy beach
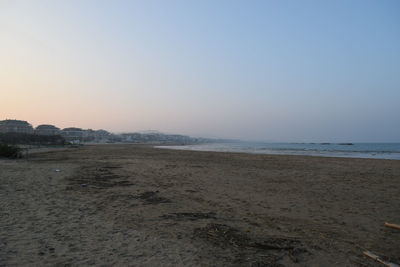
x=133 y=205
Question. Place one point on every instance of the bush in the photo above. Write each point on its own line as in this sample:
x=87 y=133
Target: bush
x=10 y=151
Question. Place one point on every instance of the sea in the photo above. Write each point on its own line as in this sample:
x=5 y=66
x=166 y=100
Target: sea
x=346 y=150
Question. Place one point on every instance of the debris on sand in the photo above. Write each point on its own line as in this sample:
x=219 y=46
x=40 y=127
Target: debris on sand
x=392 y=225
x=151 y=197
x=99 y=178
x=222 y=235
x=267 y=251
x=189 y=216
x=371 y=255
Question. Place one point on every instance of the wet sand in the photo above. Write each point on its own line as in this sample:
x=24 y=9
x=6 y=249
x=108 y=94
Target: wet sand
x=132 y=205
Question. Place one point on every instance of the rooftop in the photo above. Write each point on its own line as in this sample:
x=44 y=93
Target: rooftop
x=46 y=127
x=11 y=122
x=72 y=129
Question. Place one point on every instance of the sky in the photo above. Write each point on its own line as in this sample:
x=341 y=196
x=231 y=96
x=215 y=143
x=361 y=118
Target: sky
x=296 y=71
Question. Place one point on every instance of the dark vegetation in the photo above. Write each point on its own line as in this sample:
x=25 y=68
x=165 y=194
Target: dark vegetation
x=30 y=139
x=10 y=151
x=9 y=142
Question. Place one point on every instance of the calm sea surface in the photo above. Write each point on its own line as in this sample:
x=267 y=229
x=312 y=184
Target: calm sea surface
x=355 y=150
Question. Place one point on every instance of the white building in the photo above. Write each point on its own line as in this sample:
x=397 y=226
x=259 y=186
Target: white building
x=73 y=134
x=46 y=129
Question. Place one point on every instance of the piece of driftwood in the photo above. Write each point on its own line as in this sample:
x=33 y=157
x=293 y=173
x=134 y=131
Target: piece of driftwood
x=392 y=225
x=378 y=259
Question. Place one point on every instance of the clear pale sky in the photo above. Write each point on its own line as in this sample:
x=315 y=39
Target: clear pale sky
x=256 y=70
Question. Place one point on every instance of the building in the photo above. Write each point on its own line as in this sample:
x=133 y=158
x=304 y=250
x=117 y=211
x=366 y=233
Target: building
x=73 y=134
x=46 y=129
x=156 y=137
x=96 y=135
x=100 y=135
x=78 y=135
x=15 y=126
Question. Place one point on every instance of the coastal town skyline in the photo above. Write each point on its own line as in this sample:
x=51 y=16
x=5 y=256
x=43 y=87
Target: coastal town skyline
x=31 y=128
x=20 y=128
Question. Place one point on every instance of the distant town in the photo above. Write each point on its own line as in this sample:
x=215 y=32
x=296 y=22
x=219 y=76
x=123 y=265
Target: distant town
x=76 y=135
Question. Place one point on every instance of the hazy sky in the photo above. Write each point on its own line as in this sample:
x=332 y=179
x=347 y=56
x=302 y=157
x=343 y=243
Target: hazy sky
x=258 y=70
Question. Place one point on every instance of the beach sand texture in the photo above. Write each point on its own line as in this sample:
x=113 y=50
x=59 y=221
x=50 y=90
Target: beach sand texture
x=133 y=205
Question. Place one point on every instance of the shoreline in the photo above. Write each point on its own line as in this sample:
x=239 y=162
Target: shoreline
x=135 y=204
x=288 y=152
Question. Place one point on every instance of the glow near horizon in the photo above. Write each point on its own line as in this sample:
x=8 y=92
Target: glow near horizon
x=258 y=70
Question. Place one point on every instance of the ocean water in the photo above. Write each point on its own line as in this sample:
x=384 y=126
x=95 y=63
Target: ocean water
x=354 y=150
